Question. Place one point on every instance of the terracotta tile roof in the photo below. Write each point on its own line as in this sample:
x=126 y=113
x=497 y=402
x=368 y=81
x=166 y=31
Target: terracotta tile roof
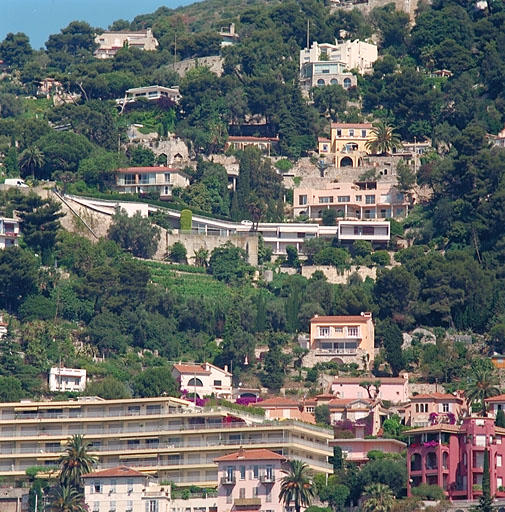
x=497 y=398
x=358 y=380
x=337 y=319
x=260 y=454
x=325 y=395
x=115 y=473
x=433 y=428
x=237 y=138
x=277 y=401
x=435 y=396
x=191 y=368
x=351 y=125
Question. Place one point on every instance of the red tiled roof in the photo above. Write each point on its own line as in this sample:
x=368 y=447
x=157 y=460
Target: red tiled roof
x=497 y=398
x=434 y=396
x=260 y=454
x=323 y=139
x=236 y=138
x=277 y=401
x=159 y=168
x=191 y=368
x=351 y=125
x=338 y=319
x=115 y=473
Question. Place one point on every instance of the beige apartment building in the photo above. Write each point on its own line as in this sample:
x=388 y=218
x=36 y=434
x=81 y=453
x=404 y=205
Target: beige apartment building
x=360 y=200
x=341 y=339
x=165 y=437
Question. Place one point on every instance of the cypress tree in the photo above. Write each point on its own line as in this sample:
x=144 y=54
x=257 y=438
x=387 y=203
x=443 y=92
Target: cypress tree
x=500 y=419
x=261 y=316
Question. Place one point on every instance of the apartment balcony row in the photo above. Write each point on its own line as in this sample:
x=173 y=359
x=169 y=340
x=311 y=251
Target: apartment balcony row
x=163 y=446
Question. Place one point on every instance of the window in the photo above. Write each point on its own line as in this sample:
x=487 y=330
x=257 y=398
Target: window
x=130 y=485
x=363 y=133
x=129 y=179
x=242 y=472
x=167 y=177
x=112 y=506
x=96 y=506
x=320 y=82
x=339 y=329
x=302 y=200
x=347 y=83
x=351 y=133
x=353 y=331
x=445 y=407
x=269 y=496
x=480 y=440
x=229 y=474
x=256 y=472
x=326 y=199
x=97 y=488
x=113 y=486
x=359 y=198
x=339 y=133
x=255 y=492
x=218 y=383
x=152 y=506
x=129 y=506
x=498 y=461
x=344 y=199
x=134 y=410
x=399 y=197
x=132 y=443
x=241 y=493
x=269 y=473
x=195 y=382
x=370 y=199
x=153 y=409
x=324 y=331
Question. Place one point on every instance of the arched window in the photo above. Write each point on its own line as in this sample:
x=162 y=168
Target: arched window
x=415 y=462
x=445 y=460
x=346 y=162
x=321 y=82
x=333 y=81
x=417 y=407
x=347 y=83
x=431 y=461
x=195 y=382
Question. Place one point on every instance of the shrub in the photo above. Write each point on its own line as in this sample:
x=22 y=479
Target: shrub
x=429 y=492
x=283 y=165
x=186 y=220
x=381 y=258
x=177 y=253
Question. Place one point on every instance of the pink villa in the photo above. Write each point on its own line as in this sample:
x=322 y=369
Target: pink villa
x=356 y=450
x=250 y=481
x=392 y=389
x=495 y=404
x=452 y=457
x=429 y=409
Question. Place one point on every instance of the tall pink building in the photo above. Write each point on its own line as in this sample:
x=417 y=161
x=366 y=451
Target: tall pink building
x=249 y=480
x=452 y=457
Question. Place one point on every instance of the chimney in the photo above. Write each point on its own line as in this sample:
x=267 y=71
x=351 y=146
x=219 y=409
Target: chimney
x=225 y=367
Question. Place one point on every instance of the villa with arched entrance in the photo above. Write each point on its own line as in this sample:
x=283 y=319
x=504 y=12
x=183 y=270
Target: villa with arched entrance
x=347 y=143
x=200 y=380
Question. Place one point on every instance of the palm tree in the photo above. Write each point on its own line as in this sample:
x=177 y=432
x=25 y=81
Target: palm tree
x=201 y=256
x=483 y=383
x=75 y=462
x=64 y=498
x=31 y=159
x=384 y=139
x=297 y=486
x=380 y=498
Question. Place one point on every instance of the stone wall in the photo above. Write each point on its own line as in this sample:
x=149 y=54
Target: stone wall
x=215 y=63
x=339 y=277
x=193 y=242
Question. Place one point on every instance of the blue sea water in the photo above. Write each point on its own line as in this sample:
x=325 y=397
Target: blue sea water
x=40 y=18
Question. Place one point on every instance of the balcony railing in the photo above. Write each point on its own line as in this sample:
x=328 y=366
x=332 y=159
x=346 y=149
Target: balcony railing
x=267 y=479
x=228 y=480
x=336 y=351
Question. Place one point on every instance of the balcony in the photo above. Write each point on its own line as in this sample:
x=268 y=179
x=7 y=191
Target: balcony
x=267 y=479
x=247 y=502
x=228 y=480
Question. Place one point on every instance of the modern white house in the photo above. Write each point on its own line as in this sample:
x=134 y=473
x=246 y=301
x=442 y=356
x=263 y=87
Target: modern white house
x=203 y=380
x=109 y=42
x=67 y=379
x=151 y=93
